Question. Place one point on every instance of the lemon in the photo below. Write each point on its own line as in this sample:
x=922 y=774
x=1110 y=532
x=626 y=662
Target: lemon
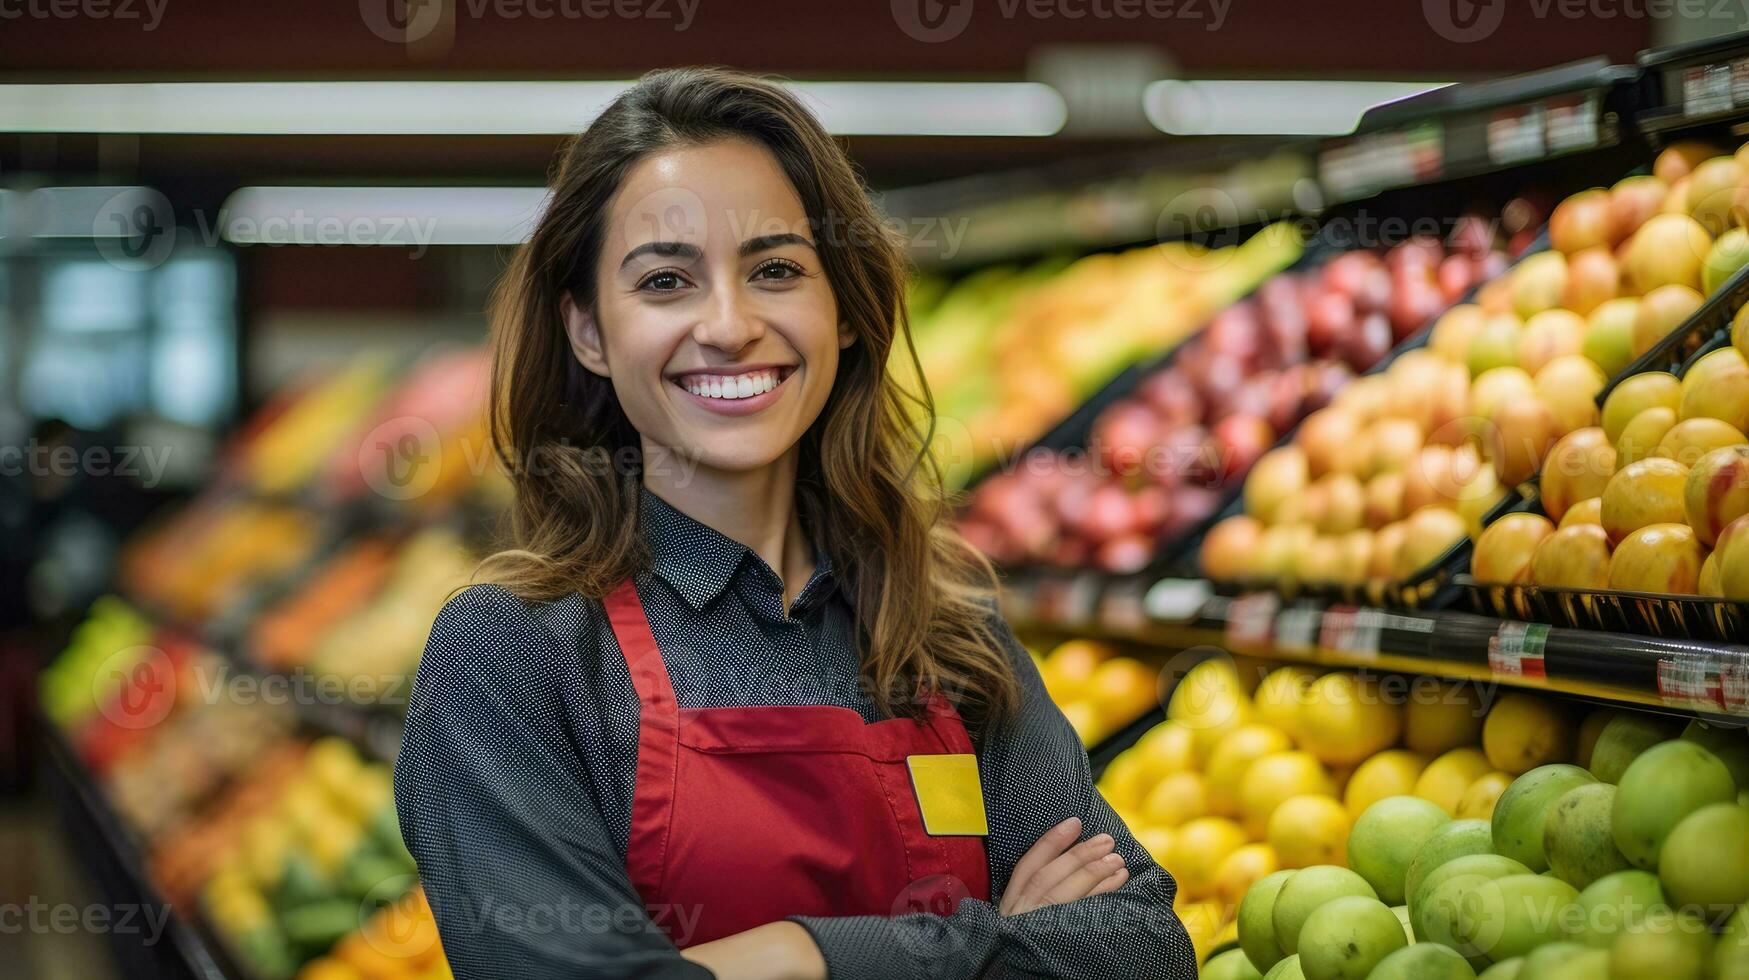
x=1442 y=719
x=1478 y=800
x=1166 y=749
x=1198 y=848
x=1211 y=702
x=1444 y=780
x=1308 y=830
x=1084 y=717
x=1524 y=731
x=1347 y=718
x=1157 y=841
x=1176 y=799
x=1238 y=870
x=1389 y=773
x=1235 y=753
x=1282 y=694
x=1203 y=921
x=1070 y=666
x=1127 y=778
x=1276 y=777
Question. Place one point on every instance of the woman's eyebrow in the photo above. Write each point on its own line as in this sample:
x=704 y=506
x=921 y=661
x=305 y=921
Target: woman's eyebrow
x=767 y=242
x=663 y=249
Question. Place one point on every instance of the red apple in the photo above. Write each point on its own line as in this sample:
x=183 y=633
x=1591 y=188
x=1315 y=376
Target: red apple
x=1237 y=441
x=1171 y=396
x=1122 y=436
x=1369 y=341
x=1330 y=316
x=1190 y=506
x=1455 y=276
x=1345 y=271
x=1416 y=300
x=1110 y=514
x=1421 y=253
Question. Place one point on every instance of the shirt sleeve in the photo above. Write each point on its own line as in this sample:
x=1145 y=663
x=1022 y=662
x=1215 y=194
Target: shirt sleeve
x=518 y=865
x=1035 y=775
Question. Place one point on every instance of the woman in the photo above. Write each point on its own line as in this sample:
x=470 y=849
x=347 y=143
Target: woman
x=740 y=704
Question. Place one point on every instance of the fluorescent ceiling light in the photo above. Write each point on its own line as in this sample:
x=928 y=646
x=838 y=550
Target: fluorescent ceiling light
x=1243 y=107
x=91 y=211
x=416 y=217
x=494 y=107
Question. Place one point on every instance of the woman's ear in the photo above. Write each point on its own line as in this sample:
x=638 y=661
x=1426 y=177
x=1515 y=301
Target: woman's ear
x=846 y=336
x=585 y=335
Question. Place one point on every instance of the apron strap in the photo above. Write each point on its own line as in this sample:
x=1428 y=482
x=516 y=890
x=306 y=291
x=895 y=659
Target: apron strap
x=658 y=739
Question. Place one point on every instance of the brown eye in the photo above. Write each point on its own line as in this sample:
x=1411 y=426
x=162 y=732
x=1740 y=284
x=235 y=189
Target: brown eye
x=662 y=281
x=778 y=270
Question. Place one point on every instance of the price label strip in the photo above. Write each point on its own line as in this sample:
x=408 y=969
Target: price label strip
x=1250 y=620
x=1296 y=628
x=1352 y=631
x=1706 y=89
x=1516 y=650
x=1120 y=607
x=1713 y=681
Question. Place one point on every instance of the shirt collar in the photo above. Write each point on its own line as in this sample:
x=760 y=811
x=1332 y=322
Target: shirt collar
x=700 y=562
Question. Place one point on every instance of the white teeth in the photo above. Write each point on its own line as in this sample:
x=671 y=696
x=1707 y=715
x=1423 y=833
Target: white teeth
x=732 y=386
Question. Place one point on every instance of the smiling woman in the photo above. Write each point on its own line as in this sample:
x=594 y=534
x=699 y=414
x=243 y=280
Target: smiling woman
x=754 y=714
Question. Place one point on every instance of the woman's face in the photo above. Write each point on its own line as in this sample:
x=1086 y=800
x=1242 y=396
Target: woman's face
x=714 y=320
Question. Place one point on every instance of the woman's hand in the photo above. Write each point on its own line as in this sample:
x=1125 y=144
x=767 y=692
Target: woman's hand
x=1057 y=870
x=776 y=951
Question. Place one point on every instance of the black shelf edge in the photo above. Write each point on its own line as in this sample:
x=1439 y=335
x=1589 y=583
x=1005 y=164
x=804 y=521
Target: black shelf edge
x=1694 y=678
x=112 y=855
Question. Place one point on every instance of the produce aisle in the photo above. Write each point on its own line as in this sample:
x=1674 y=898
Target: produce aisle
x=1433 y=546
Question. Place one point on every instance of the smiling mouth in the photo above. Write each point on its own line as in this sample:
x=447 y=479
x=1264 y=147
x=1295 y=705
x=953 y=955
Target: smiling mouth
x=733 y=386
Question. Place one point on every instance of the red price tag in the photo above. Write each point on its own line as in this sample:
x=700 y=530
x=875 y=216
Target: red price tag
x=1352 y=631
x=1516 y=650
x=1251 y=618
x=1687 y=682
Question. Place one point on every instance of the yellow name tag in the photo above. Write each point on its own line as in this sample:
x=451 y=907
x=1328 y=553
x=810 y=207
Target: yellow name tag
x=949 y=794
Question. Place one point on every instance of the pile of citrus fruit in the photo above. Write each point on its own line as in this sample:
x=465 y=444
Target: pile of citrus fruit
x=1099 y=690
x=1242 y=782
x=1635 y=865
x=1653 y=499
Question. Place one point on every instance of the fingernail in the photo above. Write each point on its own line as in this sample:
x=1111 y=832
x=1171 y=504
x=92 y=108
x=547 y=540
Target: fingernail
x=1070 y=824
x=1113 y=859
x=1103 y=839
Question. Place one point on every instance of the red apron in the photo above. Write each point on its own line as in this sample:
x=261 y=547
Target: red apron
x=743 y=816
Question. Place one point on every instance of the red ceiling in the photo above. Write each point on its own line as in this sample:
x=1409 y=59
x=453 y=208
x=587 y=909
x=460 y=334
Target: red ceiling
x=198 y=37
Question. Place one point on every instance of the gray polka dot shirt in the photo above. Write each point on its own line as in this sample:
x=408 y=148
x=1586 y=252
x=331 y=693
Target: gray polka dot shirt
x=515 y=777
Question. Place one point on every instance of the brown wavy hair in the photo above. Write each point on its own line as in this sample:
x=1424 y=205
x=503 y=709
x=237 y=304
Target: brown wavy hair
x=868 y=490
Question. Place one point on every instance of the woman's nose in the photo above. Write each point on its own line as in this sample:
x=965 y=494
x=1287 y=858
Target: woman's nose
x=728 y=325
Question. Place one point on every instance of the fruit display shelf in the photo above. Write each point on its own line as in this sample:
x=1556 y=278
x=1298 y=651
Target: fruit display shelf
x=1694 y=86
x=1184 y=618
x=110 y=855
x=1467 y=130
